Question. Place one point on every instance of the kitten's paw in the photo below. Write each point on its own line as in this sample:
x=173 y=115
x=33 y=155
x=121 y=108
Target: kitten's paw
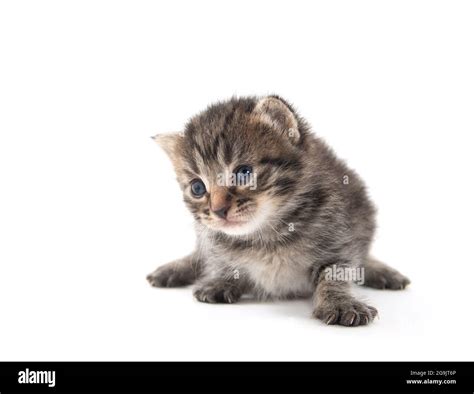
x=386 y=278
x=348 y=312
x=217 y=293
x=168 y=276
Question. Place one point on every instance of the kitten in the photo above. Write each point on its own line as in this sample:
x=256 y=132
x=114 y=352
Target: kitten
x=277 y=213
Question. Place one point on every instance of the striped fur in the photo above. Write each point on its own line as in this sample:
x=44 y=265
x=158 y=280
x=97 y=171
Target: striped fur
x=307 y=212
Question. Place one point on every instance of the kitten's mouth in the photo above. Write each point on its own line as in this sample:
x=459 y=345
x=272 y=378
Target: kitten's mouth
x=237 y=226
x=242 y=224
x=233 y=226
x=232 y=222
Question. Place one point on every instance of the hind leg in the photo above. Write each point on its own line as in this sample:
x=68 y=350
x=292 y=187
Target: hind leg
x=381 y=276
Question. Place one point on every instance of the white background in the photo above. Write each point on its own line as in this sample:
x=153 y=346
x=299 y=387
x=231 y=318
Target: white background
x=89 y=205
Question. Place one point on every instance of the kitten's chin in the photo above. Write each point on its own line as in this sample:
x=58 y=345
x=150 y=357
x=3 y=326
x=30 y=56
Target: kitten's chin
x=238 y=228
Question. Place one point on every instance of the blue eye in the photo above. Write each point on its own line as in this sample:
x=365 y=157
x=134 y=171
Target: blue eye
x=243 y=174
x=197 y=188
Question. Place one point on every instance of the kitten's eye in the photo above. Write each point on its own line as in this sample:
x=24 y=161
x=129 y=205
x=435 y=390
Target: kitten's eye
x=197 y=188
x=243 y=174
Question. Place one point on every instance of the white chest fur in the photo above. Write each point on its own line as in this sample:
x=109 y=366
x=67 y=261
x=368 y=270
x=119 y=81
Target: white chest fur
x=278 y=275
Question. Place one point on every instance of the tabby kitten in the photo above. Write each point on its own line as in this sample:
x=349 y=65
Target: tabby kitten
x=277 y=213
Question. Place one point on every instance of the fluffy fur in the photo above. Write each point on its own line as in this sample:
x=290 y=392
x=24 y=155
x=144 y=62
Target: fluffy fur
x=307 y=213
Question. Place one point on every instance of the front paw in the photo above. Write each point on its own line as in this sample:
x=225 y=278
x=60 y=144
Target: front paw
x=168 y=276
x=217 y=293
x=386 y=278
x=346 y=312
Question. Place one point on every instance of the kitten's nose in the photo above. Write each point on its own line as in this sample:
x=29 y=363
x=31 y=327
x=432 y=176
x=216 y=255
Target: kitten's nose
x=220 y=201
x=222 y=213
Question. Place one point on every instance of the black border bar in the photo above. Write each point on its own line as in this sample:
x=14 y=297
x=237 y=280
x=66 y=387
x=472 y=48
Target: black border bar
x=238 y=377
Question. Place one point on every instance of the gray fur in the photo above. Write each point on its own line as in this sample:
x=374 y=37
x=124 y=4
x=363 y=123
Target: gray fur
x=308 y=213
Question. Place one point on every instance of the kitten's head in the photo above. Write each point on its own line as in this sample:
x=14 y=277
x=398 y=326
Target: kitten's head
x=238 y=163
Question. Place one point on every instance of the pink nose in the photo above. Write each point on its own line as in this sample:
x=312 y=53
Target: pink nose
x=220 y=201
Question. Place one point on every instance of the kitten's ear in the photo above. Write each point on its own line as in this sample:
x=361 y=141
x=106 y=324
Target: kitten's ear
x=171 y=143
x=275 y=112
